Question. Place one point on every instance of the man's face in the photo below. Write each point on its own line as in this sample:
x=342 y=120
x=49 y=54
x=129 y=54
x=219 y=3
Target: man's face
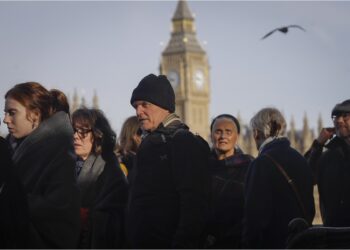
x=150 y=116
x=342 y=125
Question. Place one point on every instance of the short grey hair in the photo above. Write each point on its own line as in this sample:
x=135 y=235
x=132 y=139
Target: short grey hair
x=269 y=121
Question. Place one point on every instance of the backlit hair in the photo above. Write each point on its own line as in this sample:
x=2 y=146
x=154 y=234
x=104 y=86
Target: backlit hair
x=59 y=101
x=126 y=142
x=269 y=121
x=35 y=97
x=104 y=138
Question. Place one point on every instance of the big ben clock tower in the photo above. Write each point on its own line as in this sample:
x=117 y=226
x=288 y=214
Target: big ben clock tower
x=186 y=64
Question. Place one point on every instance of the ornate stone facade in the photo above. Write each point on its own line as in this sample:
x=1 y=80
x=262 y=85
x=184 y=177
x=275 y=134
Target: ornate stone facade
x=185 y=63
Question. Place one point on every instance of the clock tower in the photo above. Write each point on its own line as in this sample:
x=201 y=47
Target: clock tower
x=186 y=65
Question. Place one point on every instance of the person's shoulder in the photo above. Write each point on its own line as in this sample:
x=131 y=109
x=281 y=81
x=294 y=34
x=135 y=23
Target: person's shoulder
x=3 y=144
x=335 y=149
x=185 y=139
x=247 y=157
x=260 y=162
x=187 y=135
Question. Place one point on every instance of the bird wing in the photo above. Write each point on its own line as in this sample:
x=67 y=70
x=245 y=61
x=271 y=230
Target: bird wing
x=268 y=34
x=296 y=26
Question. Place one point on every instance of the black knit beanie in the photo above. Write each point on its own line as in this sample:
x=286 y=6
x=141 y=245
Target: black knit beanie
x=156 y=90
x=343 y=107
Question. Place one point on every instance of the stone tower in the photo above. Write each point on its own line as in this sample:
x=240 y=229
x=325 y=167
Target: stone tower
x=185 y=63
x=307 y=136
x=75 y=101
x=292 y=134
x=319 y=124
x=95 y=100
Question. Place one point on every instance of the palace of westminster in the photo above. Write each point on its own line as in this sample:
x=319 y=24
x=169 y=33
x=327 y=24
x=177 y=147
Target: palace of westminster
x=185 y=63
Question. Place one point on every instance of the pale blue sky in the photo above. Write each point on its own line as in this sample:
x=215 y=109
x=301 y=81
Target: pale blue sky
x=109 y=46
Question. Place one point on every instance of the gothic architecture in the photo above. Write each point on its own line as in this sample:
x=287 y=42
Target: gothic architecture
x=75 y=103
x=301 y=140
x=186 y=64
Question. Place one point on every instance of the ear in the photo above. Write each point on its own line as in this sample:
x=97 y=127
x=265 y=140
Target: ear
x=255 y=134
x=35 y=116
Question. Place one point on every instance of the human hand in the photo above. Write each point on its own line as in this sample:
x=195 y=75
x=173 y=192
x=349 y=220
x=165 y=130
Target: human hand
x=325 y=135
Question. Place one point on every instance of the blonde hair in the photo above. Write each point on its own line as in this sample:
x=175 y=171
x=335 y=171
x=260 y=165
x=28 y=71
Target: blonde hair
x=126 y=142
x=269 y=121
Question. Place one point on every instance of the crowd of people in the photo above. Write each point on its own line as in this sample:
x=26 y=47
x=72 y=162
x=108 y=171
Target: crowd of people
x=67 y=181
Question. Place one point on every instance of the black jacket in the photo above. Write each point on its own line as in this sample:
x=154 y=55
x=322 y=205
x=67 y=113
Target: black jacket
x=270 y=201
x=225 y=223
x=129 y=160
x=14 y=213
x=104 y=194
x=170 y=193
x=332 y=175
x=44 y=162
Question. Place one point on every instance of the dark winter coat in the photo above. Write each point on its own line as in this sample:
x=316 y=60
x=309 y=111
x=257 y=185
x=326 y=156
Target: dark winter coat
x=225 y=223
x=332 y=175
x=270 y=201
x=129 y=160
x=104 y=193
x=170 y=194
x=14 y=213
x=45 y=163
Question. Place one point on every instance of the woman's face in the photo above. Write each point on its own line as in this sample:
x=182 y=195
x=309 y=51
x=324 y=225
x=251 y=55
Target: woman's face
x=83 y=140
x=224 y=137
x=20 y=122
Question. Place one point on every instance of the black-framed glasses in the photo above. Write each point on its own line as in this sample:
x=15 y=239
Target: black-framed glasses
x=82 y=132
x=345 y=116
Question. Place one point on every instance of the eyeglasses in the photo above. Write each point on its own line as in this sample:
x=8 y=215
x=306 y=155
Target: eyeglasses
x=346 y=116
x=82 y=133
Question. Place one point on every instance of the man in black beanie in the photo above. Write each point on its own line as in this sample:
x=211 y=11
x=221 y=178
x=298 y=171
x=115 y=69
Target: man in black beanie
x=170 y=191
x=329 y=157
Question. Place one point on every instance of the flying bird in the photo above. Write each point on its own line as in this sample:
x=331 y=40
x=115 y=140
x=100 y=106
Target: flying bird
x=283 y=29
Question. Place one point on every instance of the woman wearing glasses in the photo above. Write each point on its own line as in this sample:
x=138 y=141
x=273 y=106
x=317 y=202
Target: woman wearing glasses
x=103 y=185
x=44 y=163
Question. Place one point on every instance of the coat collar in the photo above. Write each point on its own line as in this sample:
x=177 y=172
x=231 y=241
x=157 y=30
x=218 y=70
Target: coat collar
x=54 y=130
x=339 y=144
x=91 y=170
x=170 y=124
x=271 y=142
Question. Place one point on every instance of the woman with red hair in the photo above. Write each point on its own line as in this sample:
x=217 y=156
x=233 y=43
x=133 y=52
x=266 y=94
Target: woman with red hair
x=43 y=159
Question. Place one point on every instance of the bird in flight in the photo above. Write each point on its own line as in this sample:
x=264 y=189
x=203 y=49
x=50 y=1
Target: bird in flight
x=283 y=29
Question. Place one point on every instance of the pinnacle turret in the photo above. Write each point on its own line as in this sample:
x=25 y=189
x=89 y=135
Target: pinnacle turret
x=183 y=36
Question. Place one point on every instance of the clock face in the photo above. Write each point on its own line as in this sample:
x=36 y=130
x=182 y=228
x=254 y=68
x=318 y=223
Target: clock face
x=199 y=79
x=173 y=78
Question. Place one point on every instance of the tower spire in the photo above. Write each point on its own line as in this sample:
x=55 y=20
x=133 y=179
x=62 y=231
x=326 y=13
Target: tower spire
x=319 y=123
x=292 y=136
x=75 y=100
x=183 y=36
x=186 y=64
x=95 y=100
x=182 y=11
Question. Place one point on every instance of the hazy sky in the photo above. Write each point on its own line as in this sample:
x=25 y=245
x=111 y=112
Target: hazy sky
x=109 y=46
